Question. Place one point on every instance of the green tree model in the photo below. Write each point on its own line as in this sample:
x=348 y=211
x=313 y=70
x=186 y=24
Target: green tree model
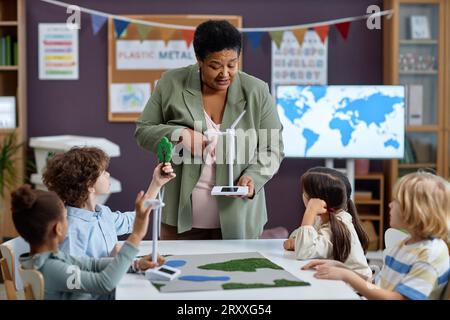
x=164 y=150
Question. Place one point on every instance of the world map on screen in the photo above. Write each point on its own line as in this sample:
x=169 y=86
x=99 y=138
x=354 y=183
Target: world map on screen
x=342 y=121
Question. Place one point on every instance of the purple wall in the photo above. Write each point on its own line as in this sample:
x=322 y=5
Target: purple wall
x=80 y=107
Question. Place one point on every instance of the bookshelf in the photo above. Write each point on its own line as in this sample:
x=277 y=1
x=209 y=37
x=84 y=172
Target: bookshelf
x=421 y=63
x=13 y=84
x=446 y=143
x=369 y=201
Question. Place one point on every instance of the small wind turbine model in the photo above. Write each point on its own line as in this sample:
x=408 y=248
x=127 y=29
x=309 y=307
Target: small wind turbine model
x=231 y=189
x=162 y=273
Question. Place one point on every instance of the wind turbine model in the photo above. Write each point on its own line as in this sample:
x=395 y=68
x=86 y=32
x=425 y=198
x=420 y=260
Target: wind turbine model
x=162 y=273
x=229 y=190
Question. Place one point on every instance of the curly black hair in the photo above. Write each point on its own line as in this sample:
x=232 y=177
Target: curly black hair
x=216 y=35
x=33 y=211
x=72 y=173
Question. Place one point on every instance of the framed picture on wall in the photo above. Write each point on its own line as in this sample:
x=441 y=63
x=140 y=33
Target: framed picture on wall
x=420 y=27
x=7 y=112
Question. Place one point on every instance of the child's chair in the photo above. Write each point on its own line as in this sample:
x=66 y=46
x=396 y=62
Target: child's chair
x=393 y=236
x=8 y=280
x=11 y=251
x=33 y=284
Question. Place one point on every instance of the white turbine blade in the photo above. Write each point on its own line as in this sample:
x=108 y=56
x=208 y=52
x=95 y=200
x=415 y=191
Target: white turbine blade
x=238 y=119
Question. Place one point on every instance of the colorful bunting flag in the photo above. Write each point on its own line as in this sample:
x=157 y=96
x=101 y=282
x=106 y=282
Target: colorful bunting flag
x=255 y=38
x=120 y=26
x=299 y=34
x=166 y=34
x=277 y=37
x=322 y=32
x=188 y=36
x=343 y=29
x=143 y=30
x=97 y=22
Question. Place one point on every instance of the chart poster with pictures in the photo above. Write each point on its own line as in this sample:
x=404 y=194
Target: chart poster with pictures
x=58 y=52
x=295 y=64
x=153 y=54
x=129 y=97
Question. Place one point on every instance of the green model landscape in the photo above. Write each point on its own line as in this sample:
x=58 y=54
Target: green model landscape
x=277 y=283
x=245 y=265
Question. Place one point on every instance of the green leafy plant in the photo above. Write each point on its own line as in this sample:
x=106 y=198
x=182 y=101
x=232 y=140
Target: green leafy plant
x=164 y=150
x=8 y=151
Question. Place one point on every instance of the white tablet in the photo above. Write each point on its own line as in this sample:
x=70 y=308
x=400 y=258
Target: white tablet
x=229 y=191
x=163 y=273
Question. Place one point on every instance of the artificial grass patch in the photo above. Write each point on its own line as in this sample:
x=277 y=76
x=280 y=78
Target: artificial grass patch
x=245 y=265
x=277 y=283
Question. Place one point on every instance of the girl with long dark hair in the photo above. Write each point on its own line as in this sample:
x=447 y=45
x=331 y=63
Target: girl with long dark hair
x=330 y=227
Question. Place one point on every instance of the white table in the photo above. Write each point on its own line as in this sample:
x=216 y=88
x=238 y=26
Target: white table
x=136 y=287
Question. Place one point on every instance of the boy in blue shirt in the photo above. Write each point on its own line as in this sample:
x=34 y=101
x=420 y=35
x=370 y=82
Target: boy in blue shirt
x=78 y=176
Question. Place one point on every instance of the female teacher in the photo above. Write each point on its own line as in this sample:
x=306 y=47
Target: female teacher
x=209 y=96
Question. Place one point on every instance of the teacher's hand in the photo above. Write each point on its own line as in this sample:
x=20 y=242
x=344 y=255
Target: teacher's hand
x=194 y=141
x=247 y=181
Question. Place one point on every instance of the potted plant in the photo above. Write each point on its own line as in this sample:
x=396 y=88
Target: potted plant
x=8 y=173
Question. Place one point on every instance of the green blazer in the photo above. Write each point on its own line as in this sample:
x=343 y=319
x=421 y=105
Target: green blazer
x=173 y=106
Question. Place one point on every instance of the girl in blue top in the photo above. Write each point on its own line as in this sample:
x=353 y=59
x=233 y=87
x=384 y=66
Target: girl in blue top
x=78 y=176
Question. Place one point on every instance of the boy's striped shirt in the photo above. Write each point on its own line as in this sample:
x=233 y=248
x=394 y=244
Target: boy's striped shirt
x=417 y=271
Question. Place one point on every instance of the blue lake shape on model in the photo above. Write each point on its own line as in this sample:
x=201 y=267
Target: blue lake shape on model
x=175 y=263
x=203 y=278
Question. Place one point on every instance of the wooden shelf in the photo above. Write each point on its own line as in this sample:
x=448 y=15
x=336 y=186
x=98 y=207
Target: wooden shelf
x=419 y=72
x=7 y=131
x=370 y=176
x=370 y=217
x=367 y=201
x=414 y=42
x=435 y=83
x=422 y=128
x=371 y=209
x=8 y=23
x=416 y=165
x=9 y=68
x=13 y=83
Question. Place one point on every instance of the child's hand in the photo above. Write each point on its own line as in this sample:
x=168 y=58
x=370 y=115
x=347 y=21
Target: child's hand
x=332 y=273
x=289 y=244
x=146 y=262
x=161 y=179
x=141 y=220
x=316 y=207
x=320 y=263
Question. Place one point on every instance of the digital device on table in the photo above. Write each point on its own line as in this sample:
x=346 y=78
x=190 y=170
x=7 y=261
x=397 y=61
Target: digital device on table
x=342 y=121
x=162 y=273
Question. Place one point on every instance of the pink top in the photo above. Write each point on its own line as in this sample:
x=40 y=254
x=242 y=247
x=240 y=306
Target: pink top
x=205 y=211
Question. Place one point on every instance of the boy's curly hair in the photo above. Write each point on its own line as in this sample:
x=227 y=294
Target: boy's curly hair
x=424 y=200
x=72 y=173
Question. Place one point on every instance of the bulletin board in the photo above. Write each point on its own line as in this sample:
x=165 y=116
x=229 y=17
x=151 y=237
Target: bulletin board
x=138 y=80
